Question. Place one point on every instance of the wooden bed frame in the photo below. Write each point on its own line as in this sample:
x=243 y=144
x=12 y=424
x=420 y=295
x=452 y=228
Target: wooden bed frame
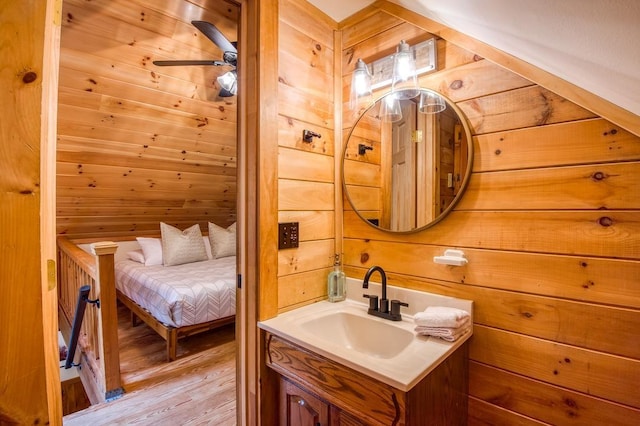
x=99 y=352
x=168 y=333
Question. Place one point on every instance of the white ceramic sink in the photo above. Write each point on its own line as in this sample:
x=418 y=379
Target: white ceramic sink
x=363 y=335
x=389 y=351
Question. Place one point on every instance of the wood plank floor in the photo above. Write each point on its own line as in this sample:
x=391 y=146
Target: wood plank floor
x=198 y=388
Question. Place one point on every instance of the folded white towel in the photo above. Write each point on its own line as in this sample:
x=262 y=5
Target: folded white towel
x=441 y=316
x=445 y=333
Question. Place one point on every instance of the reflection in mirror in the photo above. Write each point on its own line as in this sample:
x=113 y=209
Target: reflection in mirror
x=406 y=174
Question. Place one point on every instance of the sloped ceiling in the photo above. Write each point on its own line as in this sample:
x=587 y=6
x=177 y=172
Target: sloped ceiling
x=594 y=44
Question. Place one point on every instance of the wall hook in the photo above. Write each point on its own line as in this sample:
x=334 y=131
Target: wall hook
x=308 y=135
x=362 y=148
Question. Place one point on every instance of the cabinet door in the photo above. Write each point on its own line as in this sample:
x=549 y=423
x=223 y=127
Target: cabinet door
x=300 y=408
x=342 y=418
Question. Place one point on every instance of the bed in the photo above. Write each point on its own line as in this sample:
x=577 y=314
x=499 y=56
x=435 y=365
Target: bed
x=179 y=296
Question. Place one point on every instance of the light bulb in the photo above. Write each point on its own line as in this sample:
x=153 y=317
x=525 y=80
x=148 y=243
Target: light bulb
x=404 y=77
x=360 y=85
x=229 y=82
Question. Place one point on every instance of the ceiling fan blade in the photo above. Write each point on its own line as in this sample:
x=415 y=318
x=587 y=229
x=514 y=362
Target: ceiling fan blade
x=214 y=34
x=189 y=62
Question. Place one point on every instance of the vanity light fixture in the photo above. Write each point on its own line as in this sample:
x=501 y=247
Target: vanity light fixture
x=229 y=83
x=404 y=72
x=400 y=70
x=360 y=85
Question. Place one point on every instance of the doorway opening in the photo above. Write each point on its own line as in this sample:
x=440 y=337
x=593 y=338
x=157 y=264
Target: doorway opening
x=107 y=77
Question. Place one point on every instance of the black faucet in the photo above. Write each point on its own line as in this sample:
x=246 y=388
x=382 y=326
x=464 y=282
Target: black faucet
x=383 y=310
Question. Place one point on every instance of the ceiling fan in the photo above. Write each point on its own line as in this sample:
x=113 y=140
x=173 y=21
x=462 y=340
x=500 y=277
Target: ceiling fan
x=229 y=80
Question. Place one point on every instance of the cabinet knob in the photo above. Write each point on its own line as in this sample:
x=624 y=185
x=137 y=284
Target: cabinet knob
x=297 y=400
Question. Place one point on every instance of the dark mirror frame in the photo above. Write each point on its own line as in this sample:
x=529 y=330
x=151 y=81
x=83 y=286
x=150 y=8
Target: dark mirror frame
x=465 y=177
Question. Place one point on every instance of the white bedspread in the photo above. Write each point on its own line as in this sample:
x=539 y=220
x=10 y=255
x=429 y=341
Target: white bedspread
x=184 y=294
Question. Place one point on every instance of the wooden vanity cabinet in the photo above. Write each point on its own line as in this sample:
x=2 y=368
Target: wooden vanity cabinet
x=317 y=391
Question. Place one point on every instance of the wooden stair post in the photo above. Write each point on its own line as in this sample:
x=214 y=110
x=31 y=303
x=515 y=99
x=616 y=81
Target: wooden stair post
x=105 y=290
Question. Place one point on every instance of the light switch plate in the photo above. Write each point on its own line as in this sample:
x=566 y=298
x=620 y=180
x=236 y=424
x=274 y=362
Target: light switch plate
x=287 y=235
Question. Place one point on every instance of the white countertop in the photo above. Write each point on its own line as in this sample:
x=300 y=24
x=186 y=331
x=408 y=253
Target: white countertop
x=403 y=370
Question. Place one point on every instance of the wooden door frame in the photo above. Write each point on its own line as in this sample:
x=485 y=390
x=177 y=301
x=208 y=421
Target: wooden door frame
x=48 y=248
x=257 y=197
x=31 y=385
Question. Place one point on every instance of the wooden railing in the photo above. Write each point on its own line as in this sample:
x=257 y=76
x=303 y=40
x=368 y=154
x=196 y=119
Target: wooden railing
x=99 y=356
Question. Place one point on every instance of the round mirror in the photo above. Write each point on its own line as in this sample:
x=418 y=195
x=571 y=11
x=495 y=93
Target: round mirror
x=407 y=161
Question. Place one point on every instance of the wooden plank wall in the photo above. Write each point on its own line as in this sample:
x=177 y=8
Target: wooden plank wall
x=306 y=183
x=139 y=144
x=365 y=176
x=550 y=224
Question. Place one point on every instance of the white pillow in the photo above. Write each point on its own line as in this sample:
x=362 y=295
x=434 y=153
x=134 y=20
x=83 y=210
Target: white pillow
x=179 y=247
x=152 y=250
x=136 y=256
x=232 y=227
x=207 y=246
x=223 y=241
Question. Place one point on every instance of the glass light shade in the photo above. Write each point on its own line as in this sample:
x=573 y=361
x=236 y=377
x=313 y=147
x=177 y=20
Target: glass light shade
x=360 y=86
x=431 y=103
x=229 y=82
x=390 y=110
x=404 y=72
